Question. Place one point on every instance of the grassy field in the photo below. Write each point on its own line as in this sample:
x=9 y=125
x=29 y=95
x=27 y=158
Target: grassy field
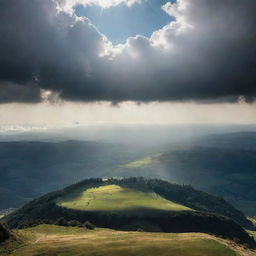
x=139 y=163
x=253 y=233
x=253 y=220
x=49 y=240
x=116 y=198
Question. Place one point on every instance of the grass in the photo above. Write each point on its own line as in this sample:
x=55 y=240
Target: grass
x=252 y=233
x=139 y=163
x=49 y=240
x=253 y=220
x=116 y=198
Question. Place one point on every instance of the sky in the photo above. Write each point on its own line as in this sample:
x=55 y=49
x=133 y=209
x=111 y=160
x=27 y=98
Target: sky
x=127 y=61
x=121 y=22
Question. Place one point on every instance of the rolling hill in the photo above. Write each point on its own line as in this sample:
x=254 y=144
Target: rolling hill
x=136 y=203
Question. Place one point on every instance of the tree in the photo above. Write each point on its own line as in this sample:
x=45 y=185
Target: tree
x=61 y=222
x=89 y=225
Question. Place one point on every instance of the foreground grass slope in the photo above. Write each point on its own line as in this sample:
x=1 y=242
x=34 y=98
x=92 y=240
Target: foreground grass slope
x=116 y=198
x=48 y=240
x=253 y=233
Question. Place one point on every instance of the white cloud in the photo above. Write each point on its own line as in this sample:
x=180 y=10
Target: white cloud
x=67 y=5
x=197 y=56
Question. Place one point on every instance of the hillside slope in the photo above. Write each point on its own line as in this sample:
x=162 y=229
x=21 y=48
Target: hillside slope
x=48 y=240
x=184 y=209
x=115 y=198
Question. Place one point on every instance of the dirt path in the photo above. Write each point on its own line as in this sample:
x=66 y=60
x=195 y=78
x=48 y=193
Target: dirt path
x=39 y=237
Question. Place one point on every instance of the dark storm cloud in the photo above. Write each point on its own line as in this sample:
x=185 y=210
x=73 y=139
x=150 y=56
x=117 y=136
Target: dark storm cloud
x=12 y=92
x=207 y=54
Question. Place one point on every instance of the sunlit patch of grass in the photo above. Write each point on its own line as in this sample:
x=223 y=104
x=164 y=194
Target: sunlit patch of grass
x=139 y=163
x=253 y=220
x=116 y=198
x=252 y=233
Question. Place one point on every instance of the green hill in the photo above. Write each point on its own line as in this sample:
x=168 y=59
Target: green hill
x=116 y=198
x=136 y=203
x=48 y=240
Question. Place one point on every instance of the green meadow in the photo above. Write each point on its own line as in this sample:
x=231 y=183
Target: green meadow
x=49 y=240
x=116 y=198
x=139 y=163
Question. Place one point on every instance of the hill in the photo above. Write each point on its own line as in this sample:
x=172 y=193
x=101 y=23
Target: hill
x=116 y=198
x=50 y=240
x=220 y=164
x=170 y=208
